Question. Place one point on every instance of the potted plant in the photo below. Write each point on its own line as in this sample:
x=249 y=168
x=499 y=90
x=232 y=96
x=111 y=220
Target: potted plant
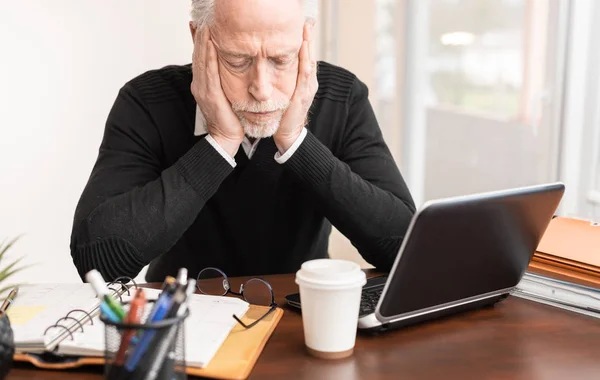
x=7 y=344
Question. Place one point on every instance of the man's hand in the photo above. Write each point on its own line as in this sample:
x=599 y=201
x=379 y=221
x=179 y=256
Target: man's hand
x=295 y=116
x=222 y=123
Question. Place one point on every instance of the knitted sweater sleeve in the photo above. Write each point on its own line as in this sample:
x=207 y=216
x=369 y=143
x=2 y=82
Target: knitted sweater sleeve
x=360 y=189
x=131 y=209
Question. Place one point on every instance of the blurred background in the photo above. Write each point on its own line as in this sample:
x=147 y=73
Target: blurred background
x=471 y=95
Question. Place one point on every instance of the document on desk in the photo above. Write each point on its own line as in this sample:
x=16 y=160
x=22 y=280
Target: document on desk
x=210 y=322
x=562 y=294
x=38 y=307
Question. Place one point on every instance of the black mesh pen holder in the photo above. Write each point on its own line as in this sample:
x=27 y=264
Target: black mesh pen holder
x=144 y=351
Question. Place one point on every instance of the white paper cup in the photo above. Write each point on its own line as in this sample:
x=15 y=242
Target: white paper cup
x=330 y=292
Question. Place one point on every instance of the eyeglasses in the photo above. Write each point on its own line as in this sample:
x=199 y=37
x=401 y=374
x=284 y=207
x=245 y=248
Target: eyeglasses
x=214 y=282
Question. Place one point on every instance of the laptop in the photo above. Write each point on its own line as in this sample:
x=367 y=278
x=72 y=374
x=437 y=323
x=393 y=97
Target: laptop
x=459 y=254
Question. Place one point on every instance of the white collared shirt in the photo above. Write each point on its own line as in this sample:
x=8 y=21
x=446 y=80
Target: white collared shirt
x=249 y=147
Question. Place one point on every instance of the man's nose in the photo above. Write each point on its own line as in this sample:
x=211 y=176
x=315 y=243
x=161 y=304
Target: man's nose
x=261 y=86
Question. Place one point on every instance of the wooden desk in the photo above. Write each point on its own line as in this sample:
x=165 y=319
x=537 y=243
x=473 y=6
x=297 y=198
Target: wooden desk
x=517 y=339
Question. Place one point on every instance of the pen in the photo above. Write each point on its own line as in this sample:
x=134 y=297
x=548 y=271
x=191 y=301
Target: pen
x=178 y=299
x=169 y=280
x=163 y=348
x=110 y=314
x=160 y=310
x=9 y=300
x=135 y=312
x=182 y=277
x=169 y=285
x=95 y=278
x=168 y=289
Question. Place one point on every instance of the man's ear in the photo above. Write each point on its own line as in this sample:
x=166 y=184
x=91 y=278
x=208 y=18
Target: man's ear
x=193 y=31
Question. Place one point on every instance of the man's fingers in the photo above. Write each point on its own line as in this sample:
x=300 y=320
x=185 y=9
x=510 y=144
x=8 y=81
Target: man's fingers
x=307 y=35
x=204 y=38
x=306 y=32
x=200 y=49
x=305 y=63
x=205 y=35
x=312 y=78
x=212 y=68
x=303 y=82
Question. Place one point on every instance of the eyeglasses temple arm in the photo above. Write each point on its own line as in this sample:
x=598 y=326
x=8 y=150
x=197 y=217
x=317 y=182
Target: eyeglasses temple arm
x=273 y=307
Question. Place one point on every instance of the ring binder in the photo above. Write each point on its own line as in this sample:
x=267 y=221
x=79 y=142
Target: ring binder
x=118 y=280
x=84 y=312
x=129 y=279
x=116 y=293
x=88 y=316
x=76 y=321
x=69 y=331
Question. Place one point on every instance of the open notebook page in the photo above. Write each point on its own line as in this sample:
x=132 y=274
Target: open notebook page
x=39 y=306
x=208 y=325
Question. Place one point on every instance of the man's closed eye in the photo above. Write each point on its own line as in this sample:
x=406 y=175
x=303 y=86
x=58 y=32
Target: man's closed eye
x=239 y=64
x=282 y=61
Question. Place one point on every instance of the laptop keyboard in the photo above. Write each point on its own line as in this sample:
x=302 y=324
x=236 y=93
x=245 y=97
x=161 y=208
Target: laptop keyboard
x=369 y=300
x=370 y=294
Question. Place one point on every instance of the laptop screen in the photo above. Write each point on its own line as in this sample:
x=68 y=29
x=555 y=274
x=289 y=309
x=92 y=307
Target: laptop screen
x=465 y=248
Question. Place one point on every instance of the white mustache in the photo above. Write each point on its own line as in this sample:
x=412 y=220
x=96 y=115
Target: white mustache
x=268 y=106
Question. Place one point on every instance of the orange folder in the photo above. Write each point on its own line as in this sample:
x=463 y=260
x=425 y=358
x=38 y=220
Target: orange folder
x=572 y=244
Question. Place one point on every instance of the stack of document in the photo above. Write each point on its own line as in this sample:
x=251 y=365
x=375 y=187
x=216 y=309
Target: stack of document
x=572 y=244
x=562 y=294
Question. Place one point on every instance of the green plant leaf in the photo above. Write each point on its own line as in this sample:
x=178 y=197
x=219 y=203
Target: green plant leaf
x=9 y=271
x=4 y=248
x=11 y=268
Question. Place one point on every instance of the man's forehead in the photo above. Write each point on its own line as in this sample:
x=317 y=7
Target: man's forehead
x=259 y=16
x=229 y=7
x=243 y=44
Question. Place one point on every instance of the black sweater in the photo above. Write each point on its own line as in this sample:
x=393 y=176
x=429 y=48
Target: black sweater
x=160 y=195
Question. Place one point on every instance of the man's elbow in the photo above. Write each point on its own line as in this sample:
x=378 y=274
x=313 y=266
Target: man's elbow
x=383 y=254
x=112 y=258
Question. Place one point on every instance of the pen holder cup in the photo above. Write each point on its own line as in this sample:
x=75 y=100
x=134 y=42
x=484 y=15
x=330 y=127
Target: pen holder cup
x=145 y=350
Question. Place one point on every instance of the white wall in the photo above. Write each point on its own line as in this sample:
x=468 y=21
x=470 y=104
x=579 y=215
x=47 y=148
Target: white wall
x=580 y=168
x=61 y=65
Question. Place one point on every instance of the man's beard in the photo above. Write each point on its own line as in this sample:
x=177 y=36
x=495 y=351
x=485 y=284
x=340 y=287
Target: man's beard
x=260 y=128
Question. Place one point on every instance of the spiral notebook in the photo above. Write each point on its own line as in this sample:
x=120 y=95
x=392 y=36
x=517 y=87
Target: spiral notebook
x=44 y=315
x=64 y=319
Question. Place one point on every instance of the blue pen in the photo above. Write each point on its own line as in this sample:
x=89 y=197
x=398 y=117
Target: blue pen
x=106 y=310
x=168 y=288
x=163 y=304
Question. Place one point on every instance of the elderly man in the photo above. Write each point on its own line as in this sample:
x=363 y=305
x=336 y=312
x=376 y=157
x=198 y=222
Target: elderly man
x=241 y=160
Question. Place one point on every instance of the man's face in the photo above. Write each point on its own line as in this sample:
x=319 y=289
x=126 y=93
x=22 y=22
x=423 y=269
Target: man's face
x=257 y=44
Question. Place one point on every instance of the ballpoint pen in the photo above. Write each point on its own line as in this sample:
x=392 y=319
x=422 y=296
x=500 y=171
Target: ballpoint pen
x=168 y=288
x=95 y=278
x=109 y=313
x=133 y=317
x=160 y=311
x=9 y=300
x=164 y=345
x=182 y=277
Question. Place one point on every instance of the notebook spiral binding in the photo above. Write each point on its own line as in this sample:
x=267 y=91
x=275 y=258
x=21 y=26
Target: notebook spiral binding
x=122 y=281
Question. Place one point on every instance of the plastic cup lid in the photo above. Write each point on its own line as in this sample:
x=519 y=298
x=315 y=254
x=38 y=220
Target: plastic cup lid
x=330 y=273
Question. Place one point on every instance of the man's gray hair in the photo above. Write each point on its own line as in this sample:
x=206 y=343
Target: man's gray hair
x=203 y=11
